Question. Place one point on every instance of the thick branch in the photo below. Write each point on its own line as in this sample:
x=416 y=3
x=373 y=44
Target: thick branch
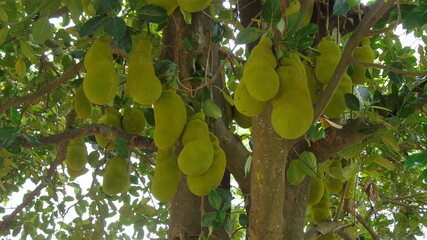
x=391 y=69
x=236 y=155
x=325 y=228
x=368 y=228
x=60 y=157
x=46 y=89
x=378 y=9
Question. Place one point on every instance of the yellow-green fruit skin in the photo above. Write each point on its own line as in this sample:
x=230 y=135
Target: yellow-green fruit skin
x=76 y=173
x=101 y=81
x=364 y=54
x=110 y=119
x=245 y=103
x=292 y=112
x=196 y=157
x=241 y=120
x=293 y=8
x=315 y=87
x=168 y=5
x=334 y=185
x=328 y=60
x=170 y=116
x=142 y=83
x=82 y=105
x=195 y=129
x=116 y=177
x=166 y=176
x=77 y=154
x=316 y=191
x=193 y=5
x=262 y=53
x=337 y=104
x=351 y=188
x=320 y=211
x=133 y=121
x=201 y=185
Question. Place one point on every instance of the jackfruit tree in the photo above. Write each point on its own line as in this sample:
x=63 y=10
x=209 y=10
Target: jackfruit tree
x=200 y=119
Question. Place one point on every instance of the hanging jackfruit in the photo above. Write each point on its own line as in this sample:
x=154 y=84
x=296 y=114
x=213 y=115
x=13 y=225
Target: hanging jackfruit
x=201 y=185
x=82 y=105
x=333 y=181
x=133 y=121
x=320 y=211
x=242 y=120
x=245 y=103
x=193 y=5
x=328 y=60
x=337 y=104
x=116 y=177
x=196 y=128
x=166 y=175
x=101 y=82
x=363 y=53
x=316 y=189
x=351 y=188
x=76 y=173
x=168 y=5
x=111 y=117
x=292 y=112
x=76 y=155
x=314 y=87
x=170 y=116
x=143 y=84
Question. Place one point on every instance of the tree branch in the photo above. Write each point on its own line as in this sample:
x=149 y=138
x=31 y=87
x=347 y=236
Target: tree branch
x=391 y=69
x=366 y=225
x=378 y=9
x=328 y=227
x=28 y=99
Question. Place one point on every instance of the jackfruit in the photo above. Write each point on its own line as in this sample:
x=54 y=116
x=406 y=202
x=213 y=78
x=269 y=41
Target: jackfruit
x=20 y=68
x=328 y=60
x=337 y=104
x=201 y=185
x=351 y=188
x=314 y=87
x=116 y=177
x=293 y=7
x=166 y=175
x=245 y=103
x=333 y=181
x=193 y=5
x=101 y=82
x=320 y=211
x=133 y=121
x=111 y=119
x=195 y=129
x=241 y=120
x=76 y=173
x=363 y=53
x=76 y=155
x=168 y=5
x=82 y=105
x=142 y=83
x=262 y=53
x=170 y=115
x=316 y=190
x=196 y=157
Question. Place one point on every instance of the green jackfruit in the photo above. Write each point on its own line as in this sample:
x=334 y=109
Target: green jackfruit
x=196 y=157
x=142 y=83
x=351 y=188
x=241 y=120
x=166 y=176
x=245 y=103
x=196 y=128
x=293 y=7
x=133 y=121
x=316 y=191
x=315 y=87
x=101 y=82
x=201 y=185
x=337 y=104
x=76 y=155
x=76 y=173
x=111 y=119
x=320 y=211
x=262 y=53
x=328 y=60
x=170 y=115
x=363 y=53
x=333 y=179
x=116 y=177
x=193 y=5
x=82 y=105
x=168 y=5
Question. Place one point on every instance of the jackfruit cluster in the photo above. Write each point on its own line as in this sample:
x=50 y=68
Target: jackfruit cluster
x=76 y=157
x=101 y=82
x=142 y=83
x=116 y=177
x=365 y=54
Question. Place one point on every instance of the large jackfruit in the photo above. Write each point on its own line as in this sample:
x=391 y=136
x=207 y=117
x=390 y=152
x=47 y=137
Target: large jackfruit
x=363 y=53
x=201 y=185
x=242 y=120
x=111 y=118
x=116 y=177
x=337 y=104
x=168 y=5
x=245 y=103
x=166 y=175
x=82 y=105
x=76 y=155
x=170 y=115
x=196 y=128
x=193 y=5
x=142 y=83
x=133 y=121
x=101 y=82
x=320 y=211
x=328 y=60
x=262 y=53
x=76 y=173
x=292 y=112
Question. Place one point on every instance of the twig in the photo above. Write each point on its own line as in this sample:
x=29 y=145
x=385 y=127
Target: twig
x=328 y=227
x=366 y=225
x=391 y=69
x=398 y=21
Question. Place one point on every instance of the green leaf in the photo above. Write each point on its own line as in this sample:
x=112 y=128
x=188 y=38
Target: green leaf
x=208 y=219
x=124 y=43
x=248 y=165
x=220 y=218
x=243 y=219
x=350 y=170
x=27 y=50
x=42 y=30
x=33 y=141
x=149 y=116
x=3 y=34
x=15 y=116
x=351 y=101
x=12 y=144
x=211 y=109
x=406 y=111
x=188 y=43
x=271 y=12
x=294 y=174
x=75 y=8
x=121 y=147
x=340 y=7
x=382 y=162
x=248 y=35
x=415 y=18
x=153 y=13
x=367 y=130
x=425 y=175
x=115 y=27
x=308 y=163
x=214 y=199
x=293 y=23
x=92 y=25
x=418 y=159
x=217 y=31
x=6 y=132
x=110 y=5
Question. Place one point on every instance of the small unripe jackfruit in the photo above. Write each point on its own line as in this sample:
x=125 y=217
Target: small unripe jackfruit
x=133 y=121
x=116 y=177
x=363 y=53
x=193 y=5
x=168 y=5
x=320 y=211
x=82 y=105
x=241 y=120
x=76 y=155
x=166 y=175
x=111 y=119
x=328 y=60
x=245 y=103
x=316 y=191
x=337 y=104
